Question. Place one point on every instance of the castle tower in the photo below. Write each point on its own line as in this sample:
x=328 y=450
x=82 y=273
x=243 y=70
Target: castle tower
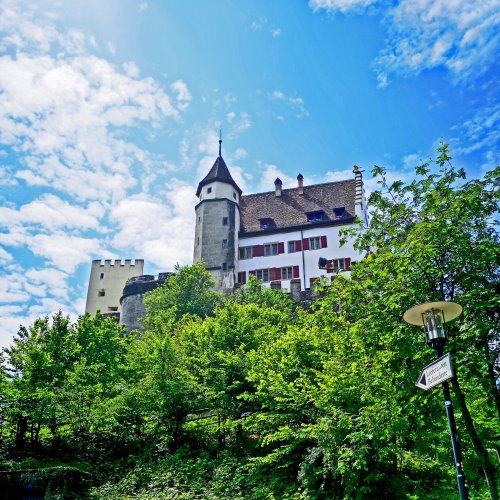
x=217 y=224
x=107 y=281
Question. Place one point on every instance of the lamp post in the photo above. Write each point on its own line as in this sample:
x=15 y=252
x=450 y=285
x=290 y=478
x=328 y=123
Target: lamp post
x=432 y=316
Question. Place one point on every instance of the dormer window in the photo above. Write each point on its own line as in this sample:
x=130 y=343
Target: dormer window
x=266 y=223
x=316 y=216
x=209 y=190
x=339 y=212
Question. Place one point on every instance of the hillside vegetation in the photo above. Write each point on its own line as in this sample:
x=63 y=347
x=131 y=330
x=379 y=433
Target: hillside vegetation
x=250 y=396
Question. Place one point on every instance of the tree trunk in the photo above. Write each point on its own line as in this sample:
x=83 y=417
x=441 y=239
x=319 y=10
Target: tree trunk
x=493 y=387
x=481 y=452
x=22 y=428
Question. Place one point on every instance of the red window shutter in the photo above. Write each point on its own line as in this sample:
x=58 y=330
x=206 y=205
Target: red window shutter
x=305 y=241
x=323 y=242
x=258 y=251
x=295 y=271
x=243 y=277
x=298 y=246
x=281 y=247
x=274 y=274
x=347 y=264
x=329 y=266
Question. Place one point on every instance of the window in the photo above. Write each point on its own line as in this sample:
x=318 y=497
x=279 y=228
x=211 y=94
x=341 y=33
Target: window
x=316 y=216
x=286 y=273
x=291 y=247
x=234 y=195
x=224 y=243
x=112 y=309
x=339 y=212
x=266 y=223
x=101 y=293
x=209 y=190
x=224 y=221
x=338 y=265
x=246 y=253
x=198 y=240
x=315 y=243
x=101 y=276
x=224 y=266
x=270 y=249
x=199 y=219
x=242 y=277
x=262 y=274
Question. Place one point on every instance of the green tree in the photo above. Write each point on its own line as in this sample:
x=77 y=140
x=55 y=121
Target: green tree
x=61 y=375
x=435 y=239
x=188 y=291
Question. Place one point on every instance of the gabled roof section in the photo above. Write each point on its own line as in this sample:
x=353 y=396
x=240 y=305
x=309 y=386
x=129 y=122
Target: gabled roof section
x=219 y=172
x=291 y=208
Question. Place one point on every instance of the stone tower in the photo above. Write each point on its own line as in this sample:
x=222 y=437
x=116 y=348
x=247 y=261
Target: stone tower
x=217 y=224
x=107 y=281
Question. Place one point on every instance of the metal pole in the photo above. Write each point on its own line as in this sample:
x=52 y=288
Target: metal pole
x=455 y=443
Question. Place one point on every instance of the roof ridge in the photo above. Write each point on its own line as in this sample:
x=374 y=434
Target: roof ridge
x=296 y=188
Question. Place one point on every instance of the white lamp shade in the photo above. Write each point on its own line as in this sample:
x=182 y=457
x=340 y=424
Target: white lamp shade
x=450 y=311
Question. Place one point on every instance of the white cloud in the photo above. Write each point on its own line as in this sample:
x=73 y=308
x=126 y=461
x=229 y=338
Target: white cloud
x=51 y=213
x=340 y=5
x=461 y=35
x=276 y=32
x=111 y=47
x=4 y=256
x=294 y=102
x=143 y=7
x=240 y=153
x=170 y=239
x=258 y=24
x=64 y=252
x=481 y=131
x=183 y=94
x=239 y=125
x=131 y=69
x=61 y=116
x=269 y=173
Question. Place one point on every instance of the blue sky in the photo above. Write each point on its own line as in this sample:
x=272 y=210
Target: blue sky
x=109 y=116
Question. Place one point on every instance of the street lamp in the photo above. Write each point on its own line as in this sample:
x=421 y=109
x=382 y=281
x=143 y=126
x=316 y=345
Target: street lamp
x=433 y=316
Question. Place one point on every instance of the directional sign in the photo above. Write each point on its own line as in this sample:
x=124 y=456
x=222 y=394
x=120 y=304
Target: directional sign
x=437 y=372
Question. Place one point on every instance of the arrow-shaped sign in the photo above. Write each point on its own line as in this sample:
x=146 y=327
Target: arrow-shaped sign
x=436 y=373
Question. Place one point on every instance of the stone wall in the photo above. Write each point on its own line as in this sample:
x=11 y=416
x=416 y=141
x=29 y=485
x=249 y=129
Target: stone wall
x=132 y=300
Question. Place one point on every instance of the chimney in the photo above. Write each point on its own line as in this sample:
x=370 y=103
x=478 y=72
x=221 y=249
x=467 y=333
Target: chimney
x=360 y=192
x=300 y=178
x=277 y=186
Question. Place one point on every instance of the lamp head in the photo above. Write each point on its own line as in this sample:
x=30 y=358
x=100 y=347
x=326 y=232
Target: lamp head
x=432 y=316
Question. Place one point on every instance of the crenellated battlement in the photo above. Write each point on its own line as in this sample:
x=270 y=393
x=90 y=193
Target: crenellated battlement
x=110 y=263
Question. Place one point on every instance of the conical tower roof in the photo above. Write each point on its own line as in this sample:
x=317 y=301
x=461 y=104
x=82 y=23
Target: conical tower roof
x=219 y=172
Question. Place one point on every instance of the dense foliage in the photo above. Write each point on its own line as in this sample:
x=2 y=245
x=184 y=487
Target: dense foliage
x=250 y=396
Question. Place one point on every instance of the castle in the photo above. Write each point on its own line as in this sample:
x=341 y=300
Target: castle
x=277 y=236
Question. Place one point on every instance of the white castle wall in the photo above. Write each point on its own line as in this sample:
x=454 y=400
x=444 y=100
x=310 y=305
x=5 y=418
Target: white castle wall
x=307 y=260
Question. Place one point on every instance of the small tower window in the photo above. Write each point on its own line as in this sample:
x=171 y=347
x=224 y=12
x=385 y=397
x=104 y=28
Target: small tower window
x=198 y=240
x=224 y=243
x=234 y=195
x=101 y=293
x=209 y=190
x=224 y=221
x=224 y=266
x=101 y=276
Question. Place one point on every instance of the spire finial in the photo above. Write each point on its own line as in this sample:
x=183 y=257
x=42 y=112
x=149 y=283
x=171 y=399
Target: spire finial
x=220 y=141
